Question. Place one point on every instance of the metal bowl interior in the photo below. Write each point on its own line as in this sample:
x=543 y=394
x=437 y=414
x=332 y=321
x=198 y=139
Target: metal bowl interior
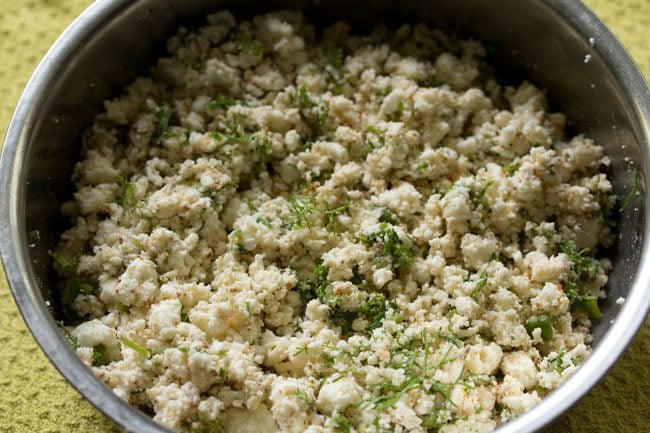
x=545 y=42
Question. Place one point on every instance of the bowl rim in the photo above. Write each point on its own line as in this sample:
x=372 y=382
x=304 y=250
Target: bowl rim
x=15 y=254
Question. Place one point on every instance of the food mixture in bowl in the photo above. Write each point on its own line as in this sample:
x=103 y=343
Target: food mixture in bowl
x=288 y=230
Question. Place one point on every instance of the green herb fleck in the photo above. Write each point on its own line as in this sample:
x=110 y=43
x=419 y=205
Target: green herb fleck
x=65 y=261
x=423 y=165
x=389 y=244
x=480 y=284
x=478 y=197
x=301 y=98
x=334 y=58
x=322 y=114
x=585 y=267
x=387 y=216
x=496 y=256
x=126 y=195
x=302 y=396
x=221 y=102
x=163 y=114
x=99 y=356
x=136 y=347
x=237 y=243
x=342 y=424
x=250 y=45
x=264 y=221
x=301 y=210
x=330 y=213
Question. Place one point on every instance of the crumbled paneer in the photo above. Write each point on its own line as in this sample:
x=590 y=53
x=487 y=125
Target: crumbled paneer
x=283 y=229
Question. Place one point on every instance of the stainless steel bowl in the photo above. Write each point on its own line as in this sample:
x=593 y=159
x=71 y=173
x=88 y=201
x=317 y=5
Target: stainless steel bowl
x=110 y=43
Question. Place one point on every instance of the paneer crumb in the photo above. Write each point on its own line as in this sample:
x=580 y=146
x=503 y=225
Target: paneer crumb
x=291 y=229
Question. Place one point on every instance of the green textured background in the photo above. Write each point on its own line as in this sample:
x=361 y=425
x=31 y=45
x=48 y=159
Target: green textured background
x=35 y=398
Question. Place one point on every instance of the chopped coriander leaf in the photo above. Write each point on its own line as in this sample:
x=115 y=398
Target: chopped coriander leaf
x=250 y=45
x=384 y=402
x=559 y=360
x=480 y=284
x=334 y=58
x=66 y=262
x=331 y=213
x=374 y=310
x=302 y=396
x=221 y=102
x=212 y=194
x=237 y=243
x=99 y=356
x=301 y=210
x=423 y=165
x=511 y=168
x=163 y=115
x=478 y=197
x=136 y=347
x=262 y=148
x=314 y=287
x=342 y=424
x=633 y=192
x=301 y=98
x=126 y=195
x=321 y=282
x=585 y=267
x=301 y=349
x=322 y=114
x=264 y=221
x=433 y=420
x=390 y=244
x=379 y=133
x=185 y=318
x=543 y=322
x=387 y=216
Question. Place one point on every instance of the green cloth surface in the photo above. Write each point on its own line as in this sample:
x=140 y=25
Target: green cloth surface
x=34 y=397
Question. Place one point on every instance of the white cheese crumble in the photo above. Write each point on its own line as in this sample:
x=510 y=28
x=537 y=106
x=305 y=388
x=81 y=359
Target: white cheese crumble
x=288 y=230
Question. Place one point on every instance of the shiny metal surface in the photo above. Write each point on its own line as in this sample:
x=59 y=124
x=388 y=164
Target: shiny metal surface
x=113 y=41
